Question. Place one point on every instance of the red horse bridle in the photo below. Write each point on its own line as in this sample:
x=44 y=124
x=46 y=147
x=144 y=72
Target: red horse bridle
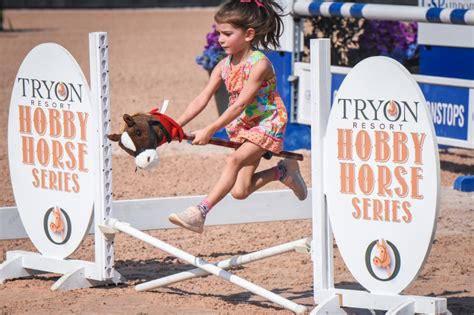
x=170 y=128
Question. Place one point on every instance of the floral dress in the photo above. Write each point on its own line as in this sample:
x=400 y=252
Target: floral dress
x=263 y=122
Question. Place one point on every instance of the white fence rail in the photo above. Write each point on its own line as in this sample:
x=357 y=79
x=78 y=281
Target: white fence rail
x=384 y=12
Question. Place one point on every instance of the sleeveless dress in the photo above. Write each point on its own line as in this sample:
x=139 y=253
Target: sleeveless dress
x=263 y=122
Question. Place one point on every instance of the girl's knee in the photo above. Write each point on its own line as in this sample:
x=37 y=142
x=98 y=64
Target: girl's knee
x=239 y=193
x=233 y=161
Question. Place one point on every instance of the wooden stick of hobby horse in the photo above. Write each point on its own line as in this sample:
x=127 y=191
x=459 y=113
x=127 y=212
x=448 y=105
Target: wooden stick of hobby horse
x=235 y=145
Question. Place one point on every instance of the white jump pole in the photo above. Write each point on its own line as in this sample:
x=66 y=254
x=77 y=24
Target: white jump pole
x=202 y=264
x=320 y=107
x=225 y=264
x=99 y=76
x=384 y=12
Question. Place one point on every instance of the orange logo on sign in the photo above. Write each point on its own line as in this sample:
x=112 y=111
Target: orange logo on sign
x=61 y=89
x=57 y=226
x=392 y=109
x=383 y=258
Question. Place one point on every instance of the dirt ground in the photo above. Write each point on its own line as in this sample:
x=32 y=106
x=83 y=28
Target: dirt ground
x=151 y=59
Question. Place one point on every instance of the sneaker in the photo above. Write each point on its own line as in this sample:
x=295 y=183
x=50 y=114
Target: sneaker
x=293 y=179
x=190 y=219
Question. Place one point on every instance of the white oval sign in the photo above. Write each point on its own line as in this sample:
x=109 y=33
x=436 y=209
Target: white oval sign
x=381 y=171
x=50 y=136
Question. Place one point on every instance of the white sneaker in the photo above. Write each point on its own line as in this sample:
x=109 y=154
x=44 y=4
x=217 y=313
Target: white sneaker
x=293 y=179
x=190 y=219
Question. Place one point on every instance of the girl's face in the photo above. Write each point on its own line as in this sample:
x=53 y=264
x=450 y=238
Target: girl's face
x=234 y=40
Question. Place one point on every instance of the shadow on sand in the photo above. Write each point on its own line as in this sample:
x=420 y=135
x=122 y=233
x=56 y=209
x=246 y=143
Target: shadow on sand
x=146 y=270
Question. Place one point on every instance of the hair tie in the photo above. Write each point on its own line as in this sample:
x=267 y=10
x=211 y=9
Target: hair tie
x=257 y=2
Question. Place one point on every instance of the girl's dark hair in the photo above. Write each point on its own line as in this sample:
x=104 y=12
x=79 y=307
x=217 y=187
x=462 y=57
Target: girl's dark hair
x=263 y=16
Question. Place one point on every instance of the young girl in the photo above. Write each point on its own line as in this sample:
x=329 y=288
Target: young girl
x=256 y=116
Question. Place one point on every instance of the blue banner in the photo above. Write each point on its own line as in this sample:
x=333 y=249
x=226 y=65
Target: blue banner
x=449 y=107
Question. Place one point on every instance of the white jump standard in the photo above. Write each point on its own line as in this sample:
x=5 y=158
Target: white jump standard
x=356 y=207
x=43 y=182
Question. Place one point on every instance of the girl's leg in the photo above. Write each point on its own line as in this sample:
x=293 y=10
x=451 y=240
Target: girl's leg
x=287 y=171
x=239 y=174
x=246 y=156
x=248 y=181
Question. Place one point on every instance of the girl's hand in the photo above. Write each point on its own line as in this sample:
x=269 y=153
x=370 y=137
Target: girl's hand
x=202 y=136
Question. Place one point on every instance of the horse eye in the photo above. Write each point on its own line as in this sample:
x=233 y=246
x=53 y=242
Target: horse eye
x=139 y=133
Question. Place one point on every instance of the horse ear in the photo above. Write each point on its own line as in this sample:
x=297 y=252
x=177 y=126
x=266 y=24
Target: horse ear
x=128 y=120
x=114 y=137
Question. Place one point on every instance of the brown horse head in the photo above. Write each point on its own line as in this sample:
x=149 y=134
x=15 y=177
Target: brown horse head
x=143 y=133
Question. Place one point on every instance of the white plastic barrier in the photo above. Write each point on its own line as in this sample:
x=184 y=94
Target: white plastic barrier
x=204 y=265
